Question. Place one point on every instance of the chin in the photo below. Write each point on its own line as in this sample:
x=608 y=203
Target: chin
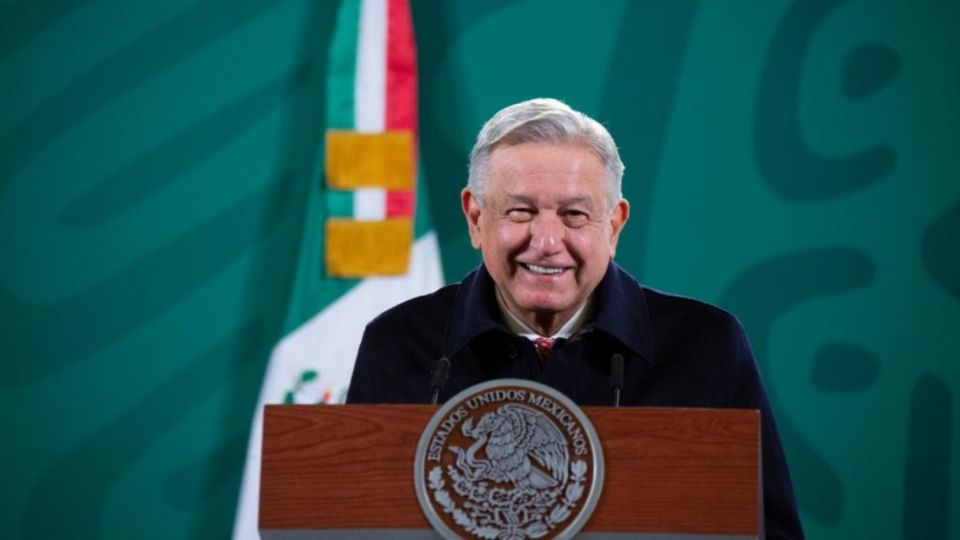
x=541 y=306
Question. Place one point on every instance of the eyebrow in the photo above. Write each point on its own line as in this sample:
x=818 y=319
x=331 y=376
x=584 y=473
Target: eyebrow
x=526 y=199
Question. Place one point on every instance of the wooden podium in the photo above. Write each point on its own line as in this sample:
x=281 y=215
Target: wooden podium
x=346 y=471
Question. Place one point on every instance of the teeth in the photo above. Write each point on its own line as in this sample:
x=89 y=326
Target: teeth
x=543 y=269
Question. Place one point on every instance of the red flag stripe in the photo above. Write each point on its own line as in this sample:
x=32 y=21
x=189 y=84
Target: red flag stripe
x=399 y=204
x=401 y=105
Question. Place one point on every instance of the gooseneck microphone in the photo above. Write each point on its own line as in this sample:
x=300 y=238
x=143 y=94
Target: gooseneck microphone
x=616 y=377
x=440 y=374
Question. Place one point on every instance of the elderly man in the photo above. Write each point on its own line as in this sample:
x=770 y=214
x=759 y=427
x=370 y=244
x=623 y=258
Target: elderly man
x=543 y=206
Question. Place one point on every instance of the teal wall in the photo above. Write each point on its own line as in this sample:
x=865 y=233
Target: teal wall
x=794 y=162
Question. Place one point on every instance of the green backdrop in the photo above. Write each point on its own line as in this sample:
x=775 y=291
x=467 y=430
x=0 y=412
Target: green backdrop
x=794 y=162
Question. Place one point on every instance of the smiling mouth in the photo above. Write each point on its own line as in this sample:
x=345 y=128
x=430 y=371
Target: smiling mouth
x=543 y=270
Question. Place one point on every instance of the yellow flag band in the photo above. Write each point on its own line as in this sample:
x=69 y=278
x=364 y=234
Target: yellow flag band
x=364 y=160
x=368 y=248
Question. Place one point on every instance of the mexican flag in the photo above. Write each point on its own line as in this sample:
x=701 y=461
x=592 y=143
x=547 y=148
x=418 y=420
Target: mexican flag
x=368 y=242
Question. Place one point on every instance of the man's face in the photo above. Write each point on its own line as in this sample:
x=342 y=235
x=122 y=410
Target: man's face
x=544 y=228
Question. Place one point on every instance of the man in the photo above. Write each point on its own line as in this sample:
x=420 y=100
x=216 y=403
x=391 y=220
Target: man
x=543 y=205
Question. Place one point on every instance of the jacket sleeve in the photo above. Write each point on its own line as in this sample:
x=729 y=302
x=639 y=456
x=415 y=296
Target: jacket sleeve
x=781 y=520
x=365 y=385
x=395 y=359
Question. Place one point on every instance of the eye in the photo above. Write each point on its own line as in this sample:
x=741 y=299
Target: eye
x=575 y=218
x=520 y=214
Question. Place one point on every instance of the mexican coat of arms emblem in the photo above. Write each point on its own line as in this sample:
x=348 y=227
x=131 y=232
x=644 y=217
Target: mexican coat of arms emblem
x=508 y=460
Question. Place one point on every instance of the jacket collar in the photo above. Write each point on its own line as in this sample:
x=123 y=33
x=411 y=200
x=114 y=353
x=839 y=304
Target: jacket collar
x=475 y=311
x=621 y=311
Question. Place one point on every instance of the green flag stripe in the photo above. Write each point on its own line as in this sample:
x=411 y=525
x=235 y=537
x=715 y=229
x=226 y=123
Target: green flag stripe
x=339 y=203
x=343 y=67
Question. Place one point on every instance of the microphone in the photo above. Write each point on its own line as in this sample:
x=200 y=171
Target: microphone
x=616 y=377
x=440 y=374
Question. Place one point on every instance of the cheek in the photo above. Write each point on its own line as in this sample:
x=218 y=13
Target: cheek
x=510 y=236
x=590 y=245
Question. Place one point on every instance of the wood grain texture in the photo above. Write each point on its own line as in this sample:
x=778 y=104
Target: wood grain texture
x=667 y=470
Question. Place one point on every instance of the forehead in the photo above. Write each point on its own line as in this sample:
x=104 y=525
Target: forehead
x=546 y=168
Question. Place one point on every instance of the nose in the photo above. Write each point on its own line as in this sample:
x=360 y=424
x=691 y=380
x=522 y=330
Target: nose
x=546 y=233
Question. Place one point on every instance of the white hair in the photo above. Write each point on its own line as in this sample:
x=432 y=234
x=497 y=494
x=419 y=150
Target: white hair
x=544 y=120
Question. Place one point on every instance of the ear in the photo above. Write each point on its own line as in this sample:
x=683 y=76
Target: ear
x=618 y=218
x=471 y=210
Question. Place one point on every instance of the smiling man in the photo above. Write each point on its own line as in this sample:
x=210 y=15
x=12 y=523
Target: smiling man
x=543 y=205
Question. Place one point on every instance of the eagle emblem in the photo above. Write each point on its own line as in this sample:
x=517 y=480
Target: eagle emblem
x=521 y=445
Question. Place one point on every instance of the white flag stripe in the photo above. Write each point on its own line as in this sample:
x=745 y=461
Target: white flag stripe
x=328 y=343
x=370 y=86
x=370 y=204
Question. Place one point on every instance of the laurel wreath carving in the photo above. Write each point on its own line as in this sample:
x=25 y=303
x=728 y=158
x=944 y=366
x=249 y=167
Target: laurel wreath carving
x=526 y=508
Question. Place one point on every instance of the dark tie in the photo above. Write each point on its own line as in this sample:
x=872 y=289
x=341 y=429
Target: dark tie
x=544 y=345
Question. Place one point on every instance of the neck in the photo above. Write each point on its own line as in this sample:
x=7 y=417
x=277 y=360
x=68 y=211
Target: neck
x=542 y=323
x=546 y=324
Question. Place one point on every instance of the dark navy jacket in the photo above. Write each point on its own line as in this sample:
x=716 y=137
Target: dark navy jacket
x=678 y=353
